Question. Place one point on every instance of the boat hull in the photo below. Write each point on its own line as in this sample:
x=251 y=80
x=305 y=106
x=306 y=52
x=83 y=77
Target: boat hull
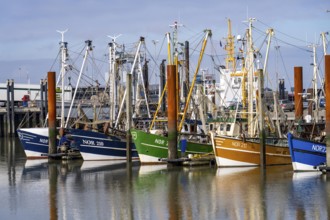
x=34 y=141
x=306 y=155
x=231 y=152
x=99 y=146
x=151 y=147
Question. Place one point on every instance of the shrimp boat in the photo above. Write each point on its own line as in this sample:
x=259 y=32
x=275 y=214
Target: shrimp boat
x=35 y=140
x=306 y=155
x=235 y=135
x=152 y=145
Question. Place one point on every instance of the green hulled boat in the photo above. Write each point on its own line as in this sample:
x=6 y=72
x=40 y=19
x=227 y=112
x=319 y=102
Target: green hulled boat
x=152 y=147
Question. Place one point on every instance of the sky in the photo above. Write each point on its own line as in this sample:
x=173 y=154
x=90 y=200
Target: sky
x=29 y=42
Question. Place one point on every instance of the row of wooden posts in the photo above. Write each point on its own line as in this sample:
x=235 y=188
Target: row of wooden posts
x=8 y=118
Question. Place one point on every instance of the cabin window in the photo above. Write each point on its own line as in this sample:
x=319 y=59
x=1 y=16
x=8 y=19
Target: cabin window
x=192 y=128
x=185 y=127
x=211 y=127
x=221 y=127
x=228 y=127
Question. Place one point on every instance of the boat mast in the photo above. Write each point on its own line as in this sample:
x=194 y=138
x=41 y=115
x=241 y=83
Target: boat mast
x=176 y=61
x=270 y=33
x=88 y=49
x=132 y=70
x=250 y=66
x=112 y=81
x=315 y=95
x=175 y=41
x=63 y=71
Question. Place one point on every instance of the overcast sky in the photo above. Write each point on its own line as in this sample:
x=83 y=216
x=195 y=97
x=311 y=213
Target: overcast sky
x=28 y=27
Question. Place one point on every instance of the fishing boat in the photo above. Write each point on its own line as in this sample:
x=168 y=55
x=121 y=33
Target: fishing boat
x=308 y=146
x=236 y=134
x=152 y=146
x=99 y=146
x=35 y=141
x=232 y=152
x=306 y=155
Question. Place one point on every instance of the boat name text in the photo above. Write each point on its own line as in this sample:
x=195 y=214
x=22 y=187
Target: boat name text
x=160 y=141
x=43 y=140
x=319 y=148
x=239 y=144
x=93 y=143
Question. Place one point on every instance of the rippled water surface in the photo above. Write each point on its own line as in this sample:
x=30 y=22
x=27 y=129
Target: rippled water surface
x=37 y=189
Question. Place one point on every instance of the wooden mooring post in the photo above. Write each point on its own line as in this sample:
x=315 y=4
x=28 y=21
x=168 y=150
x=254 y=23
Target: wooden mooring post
x=129 y=117
x=51 y=76
x=327 y=107
x=43 y=98
x=10 y=108
x=298 y=89
x=262 y=134
x=172 y=112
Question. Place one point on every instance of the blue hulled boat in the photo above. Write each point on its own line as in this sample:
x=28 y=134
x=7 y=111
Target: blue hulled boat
x=99 y=146
x=34 y=141
x=306 y=155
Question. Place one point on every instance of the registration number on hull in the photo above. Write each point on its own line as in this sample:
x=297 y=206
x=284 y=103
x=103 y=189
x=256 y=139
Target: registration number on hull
x=93 y=142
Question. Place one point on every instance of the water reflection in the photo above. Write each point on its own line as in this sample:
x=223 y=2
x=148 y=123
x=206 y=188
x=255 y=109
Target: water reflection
x=39 y=189
x=241 y=191
x=274 y=193
x=310 y=197
x=175 y=193
x=82 y=190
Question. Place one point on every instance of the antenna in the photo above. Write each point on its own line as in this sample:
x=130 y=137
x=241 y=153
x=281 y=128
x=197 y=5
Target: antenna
x=62 y=33
x=155 y=42
x=176 y=25
x=175 y=36
x=114 y=37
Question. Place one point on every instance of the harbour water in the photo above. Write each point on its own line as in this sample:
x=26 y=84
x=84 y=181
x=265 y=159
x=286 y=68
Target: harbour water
x=36 y=189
